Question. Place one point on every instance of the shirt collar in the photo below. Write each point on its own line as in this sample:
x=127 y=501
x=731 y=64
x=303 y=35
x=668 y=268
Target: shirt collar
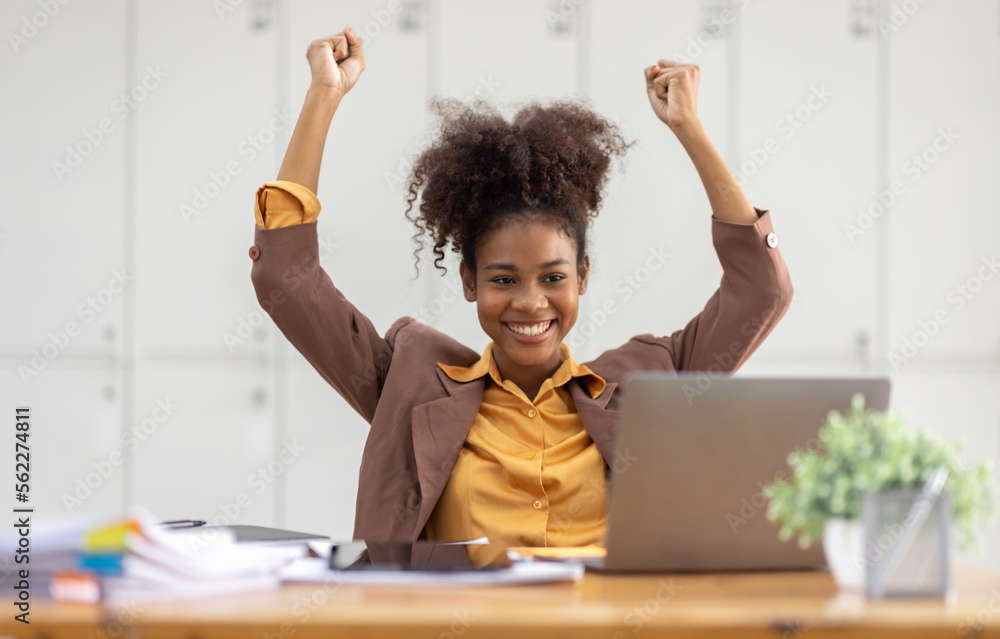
x=568 y=369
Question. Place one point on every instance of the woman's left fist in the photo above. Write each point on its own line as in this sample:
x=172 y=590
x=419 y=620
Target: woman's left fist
x=673 y=92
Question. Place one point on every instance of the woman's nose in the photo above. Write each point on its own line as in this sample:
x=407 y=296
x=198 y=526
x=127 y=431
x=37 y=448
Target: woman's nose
x=529 y=300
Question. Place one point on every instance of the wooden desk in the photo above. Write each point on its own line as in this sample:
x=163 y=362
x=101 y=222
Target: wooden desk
x=783 y=605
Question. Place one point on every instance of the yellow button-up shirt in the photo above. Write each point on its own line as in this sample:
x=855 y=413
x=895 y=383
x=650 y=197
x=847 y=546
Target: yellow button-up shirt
x=528 y=473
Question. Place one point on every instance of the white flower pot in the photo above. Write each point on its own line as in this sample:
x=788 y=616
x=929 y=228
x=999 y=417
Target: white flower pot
x=844 y=546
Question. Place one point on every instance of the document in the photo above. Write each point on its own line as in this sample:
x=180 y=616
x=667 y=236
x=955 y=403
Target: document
x=314 y=569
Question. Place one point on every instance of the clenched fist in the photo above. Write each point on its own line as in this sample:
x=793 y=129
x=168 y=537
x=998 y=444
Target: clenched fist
x=336 y=61
x=673 y=92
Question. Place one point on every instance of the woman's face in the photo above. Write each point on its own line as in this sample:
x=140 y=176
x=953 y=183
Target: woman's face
x=526 y=290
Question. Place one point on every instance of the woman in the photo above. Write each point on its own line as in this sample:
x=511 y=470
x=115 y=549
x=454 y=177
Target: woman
x=516 y=444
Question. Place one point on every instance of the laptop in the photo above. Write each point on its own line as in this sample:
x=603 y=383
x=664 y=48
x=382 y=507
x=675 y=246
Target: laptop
x=696 y=452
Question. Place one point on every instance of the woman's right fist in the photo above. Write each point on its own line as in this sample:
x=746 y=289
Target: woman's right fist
x=336 y=61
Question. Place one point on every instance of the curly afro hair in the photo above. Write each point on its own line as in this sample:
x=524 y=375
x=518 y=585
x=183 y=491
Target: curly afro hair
x=551 y=160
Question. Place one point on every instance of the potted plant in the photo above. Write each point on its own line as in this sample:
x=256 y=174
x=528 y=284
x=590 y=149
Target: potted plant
x=866 y=451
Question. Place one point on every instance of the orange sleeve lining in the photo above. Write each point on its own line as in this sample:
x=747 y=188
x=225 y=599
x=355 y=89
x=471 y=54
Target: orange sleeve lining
x=283 y=203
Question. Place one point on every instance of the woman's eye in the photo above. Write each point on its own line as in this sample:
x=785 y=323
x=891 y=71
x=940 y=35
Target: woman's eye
x=510 y=280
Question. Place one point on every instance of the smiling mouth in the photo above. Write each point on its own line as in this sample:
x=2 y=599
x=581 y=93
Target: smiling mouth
x=531 y=330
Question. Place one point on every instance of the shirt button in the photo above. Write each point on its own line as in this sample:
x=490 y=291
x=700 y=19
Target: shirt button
x=532 y=412
x=772 y=241
x=537 y=504
x=531 y=455
x=254 y=253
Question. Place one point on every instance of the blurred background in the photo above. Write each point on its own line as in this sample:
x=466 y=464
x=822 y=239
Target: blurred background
x=136 y=132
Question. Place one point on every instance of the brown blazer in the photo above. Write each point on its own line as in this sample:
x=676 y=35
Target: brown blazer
x=420 y=427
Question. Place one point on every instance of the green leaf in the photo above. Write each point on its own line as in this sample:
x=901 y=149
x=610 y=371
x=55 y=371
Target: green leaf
x=862 y=451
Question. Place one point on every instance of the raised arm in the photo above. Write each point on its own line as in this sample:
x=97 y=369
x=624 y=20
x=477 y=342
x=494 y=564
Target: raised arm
x=756 y=290
x=331 y=333
x=673 y=93
x=336 y=63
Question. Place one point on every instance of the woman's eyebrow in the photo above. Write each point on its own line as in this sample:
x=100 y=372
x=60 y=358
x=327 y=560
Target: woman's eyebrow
x=503 y=266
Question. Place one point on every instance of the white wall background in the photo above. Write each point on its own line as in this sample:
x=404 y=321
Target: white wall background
x=214 y=89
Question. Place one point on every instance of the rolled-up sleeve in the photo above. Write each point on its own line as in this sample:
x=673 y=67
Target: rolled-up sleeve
x=754 y=294
x=281 y=203
x=332 y=334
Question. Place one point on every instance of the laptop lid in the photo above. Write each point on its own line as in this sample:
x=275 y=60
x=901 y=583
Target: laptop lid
x=701 y=449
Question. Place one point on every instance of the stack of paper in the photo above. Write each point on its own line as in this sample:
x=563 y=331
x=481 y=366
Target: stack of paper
x=135 y=559
x=166 y=564
x=55 y=549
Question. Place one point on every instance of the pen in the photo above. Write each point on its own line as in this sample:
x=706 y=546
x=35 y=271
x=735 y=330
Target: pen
x=183 y=523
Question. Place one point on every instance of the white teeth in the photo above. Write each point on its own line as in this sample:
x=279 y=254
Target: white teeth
x=536 y=329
